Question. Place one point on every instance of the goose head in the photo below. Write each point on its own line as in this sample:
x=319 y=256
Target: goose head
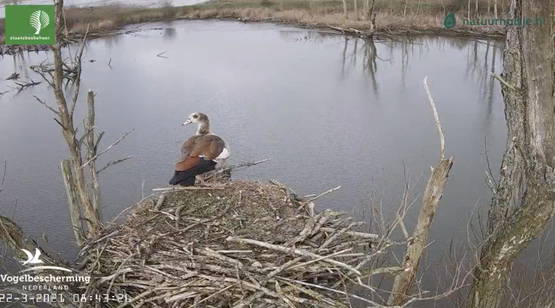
x=196 y=118
x=202 y=120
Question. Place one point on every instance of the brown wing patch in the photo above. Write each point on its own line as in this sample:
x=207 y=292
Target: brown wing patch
x=187 y=164
x=188 y=146
x=215 y=148
x=209 y=145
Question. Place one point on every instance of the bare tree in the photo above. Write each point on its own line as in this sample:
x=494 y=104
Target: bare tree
x=524 y=197
x=65 y=119
x=79 y=171
x=371 y=15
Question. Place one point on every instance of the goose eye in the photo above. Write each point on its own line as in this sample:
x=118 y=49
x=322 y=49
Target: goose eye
x=195 y=116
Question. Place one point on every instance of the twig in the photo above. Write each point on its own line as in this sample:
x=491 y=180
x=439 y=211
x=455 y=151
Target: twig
x=113 y=162
x=13 y=76
x=107 y=149
x=436 y=118
x=23 y=86
x=296 y=251
x=331 y=290
x=160 y=202
x=489 y=174
x=77 y=66
x=46 y=105
x=179 y=188
x=363 y=235
x=324 y=193
x=4 y=175
x=243 y=165
x=505 y=83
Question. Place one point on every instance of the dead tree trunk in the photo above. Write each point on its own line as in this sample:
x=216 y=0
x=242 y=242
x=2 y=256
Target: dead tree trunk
x=371 y=15
x=524 y=201
x=73 y=202
x=92 y=148
x=345 y=9
x=468 y=10
x=65 y=120
x=430 y=202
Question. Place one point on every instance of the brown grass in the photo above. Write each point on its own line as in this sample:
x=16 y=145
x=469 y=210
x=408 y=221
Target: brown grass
x=111 y=17
x=391 y=16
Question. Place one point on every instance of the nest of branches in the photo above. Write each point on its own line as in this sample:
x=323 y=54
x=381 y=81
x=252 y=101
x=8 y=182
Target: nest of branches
x=232 y=245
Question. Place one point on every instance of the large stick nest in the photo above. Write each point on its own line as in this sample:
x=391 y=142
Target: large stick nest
x=237 y=245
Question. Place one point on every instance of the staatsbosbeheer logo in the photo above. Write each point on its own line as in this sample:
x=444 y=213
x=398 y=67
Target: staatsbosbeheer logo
x=39 y=20
x=30 y=25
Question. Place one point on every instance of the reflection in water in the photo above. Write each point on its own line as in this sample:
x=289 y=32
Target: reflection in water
x=307 y=100
x=482 y=56
x=349 y=58
x=111 y=40
x=169 y=33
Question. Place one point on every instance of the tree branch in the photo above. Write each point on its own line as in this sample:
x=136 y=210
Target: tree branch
x=120 y=139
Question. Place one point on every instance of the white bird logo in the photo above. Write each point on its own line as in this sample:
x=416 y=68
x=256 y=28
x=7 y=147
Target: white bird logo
x=32 y=259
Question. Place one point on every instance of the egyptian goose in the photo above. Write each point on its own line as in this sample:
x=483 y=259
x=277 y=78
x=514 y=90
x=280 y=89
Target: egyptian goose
x=200 y=153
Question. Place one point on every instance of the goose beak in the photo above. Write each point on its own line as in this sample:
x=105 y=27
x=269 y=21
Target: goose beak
x=187 y=122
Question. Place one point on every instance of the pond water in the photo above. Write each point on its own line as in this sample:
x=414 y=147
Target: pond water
x=326 y=109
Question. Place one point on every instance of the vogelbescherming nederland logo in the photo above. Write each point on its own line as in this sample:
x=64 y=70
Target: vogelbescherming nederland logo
x=30 y=25
x=34 y=260
x=37 y=276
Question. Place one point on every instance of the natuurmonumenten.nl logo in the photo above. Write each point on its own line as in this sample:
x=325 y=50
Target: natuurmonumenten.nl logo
x=450 y=21
x=30 y=25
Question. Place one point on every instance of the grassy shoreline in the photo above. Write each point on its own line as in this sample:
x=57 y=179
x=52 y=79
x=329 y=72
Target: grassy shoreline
x=321 y=14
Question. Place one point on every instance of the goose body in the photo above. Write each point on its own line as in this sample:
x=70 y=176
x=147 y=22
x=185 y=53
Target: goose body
x=201 y=152
x=208 y=146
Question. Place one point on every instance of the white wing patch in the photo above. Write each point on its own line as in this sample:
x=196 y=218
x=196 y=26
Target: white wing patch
x=224 y=155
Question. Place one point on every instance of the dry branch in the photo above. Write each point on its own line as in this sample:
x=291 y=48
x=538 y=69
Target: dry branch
x=4 y=172
x=24 y=85
x=430 y=202
x=108 y=148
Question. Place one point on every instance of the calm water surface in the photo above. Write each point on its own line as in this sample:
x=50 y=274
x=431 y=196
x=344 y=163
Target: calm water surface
x=327 y=110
